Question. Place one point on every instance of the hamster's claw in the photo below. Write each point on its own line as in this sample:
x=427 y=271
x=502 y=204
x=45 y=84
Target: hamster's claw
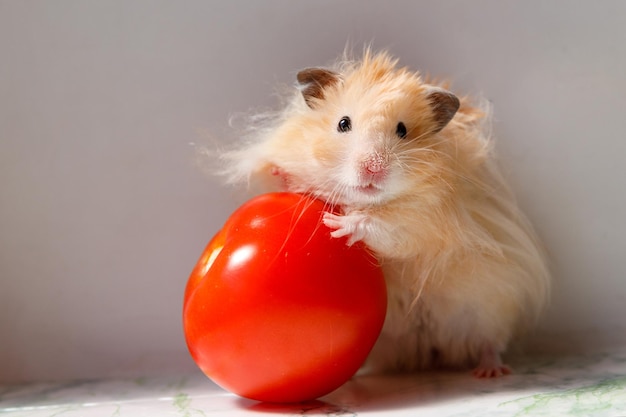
x=352 y=225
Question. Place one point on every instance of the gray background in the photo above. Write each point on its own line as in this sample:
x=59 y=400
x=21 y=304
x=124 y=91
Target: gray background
x=104 y=206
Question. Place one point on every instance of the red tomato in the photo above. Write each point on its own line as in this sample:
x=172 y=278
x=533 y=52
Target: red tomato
x=276 y=309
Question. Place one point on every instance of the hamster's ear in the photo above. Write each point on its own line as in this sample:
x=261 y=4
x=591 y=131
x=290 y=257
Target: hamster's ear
x=313 y=81
x=444 y=105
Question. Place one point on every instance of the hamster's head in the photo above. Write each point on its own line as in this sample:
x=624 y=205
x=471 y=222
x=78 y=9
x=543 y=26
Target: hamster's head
x=363 y=135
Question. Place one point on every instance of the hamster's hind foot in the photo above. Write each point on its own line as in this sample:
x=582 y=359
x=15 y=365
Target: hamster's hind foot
x=490 y=365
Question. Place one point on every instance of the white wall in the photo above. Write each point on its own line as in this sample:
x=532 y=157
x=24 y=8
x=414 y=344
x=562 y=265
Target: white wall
x=103 y=209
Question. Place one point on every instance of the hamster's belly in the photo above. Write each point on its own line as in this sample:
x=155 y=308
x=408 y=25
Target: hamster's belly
x=424 y=328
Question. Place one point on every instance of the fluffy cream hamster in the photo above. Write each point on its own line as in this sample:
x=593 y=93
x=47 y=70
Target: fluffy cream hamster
x=411 y=167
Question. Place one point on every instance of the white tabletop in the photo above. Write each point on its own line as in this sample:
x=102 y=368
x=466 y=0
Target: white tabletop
x=590 y=384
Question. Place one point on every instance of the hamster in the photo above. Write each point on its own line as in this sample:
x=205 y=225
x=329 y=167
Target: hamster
x=411 y=167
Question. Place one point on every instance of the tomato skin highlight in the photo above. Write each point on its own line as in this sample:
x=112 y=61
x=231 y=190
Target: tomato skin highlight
x=276 y=309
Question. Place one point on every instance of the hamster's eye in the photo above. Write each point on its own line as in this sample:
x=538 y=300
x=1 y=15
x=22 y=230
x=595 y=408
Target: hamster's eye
x=344 y=124
x=401 y=130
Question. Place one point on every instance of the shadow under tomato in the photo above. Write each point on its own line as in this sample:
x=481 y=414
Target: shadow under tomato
x=369 y=393
x=301 y=408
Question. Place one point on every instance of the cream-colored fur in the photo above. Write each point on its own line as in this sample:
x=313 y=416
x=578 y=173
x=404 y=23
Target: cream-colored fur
x=464 y=269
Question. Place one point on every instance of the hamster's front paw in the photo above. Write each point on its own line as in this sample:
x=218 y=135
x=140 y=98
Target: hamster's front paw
x=354 y=225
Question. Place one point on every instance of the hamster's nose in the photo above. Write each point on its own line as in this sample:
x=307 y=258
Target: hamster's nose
x=375 y=163
x=375 y=166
